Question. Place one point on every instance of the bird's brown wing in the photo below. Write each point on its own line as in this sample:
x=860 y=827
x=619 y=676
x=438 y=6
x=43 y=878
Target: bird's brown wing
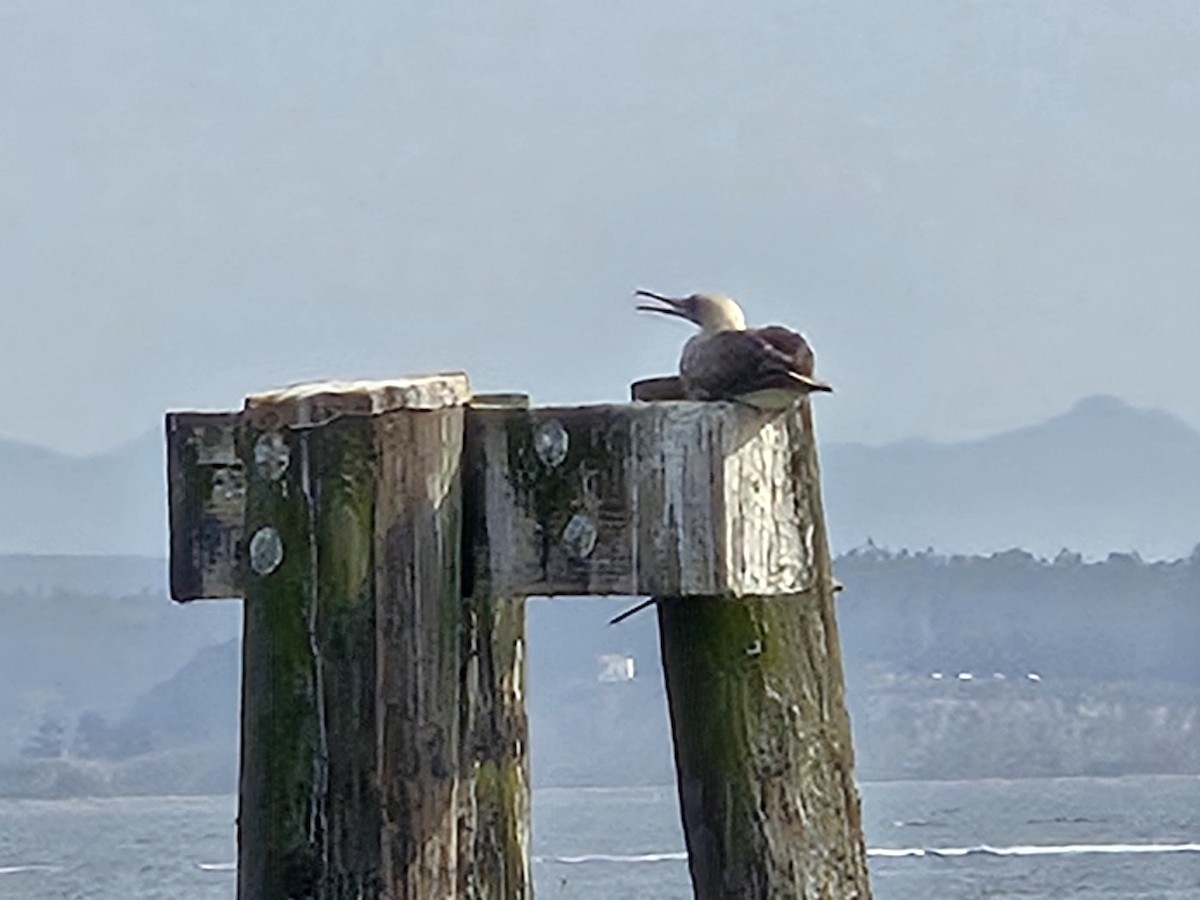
x=733 y=363
x=790 y=344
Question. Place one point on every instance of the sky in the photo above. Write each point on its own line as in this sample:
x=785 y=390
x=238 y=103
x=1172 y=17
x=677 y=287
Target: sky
x=977 y=212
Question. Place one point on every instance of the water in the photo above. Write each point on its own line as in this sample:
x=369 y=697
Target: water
x=1040 y=839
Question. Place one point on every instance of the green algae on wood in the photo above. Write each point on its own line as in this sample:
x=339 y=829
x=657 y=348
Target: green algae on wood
x=351 y=686
x=762 y=749
x=762 y=739
x=494 y=810
x=494 y=807
x=343 y=475
x=280 y=820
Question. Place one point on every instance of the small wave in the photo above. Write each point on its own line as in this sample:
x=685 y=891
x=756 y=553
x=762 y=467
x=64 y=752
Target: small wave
x=894 y=853
x=32 y=867
x=1031 y=850
x=217 y=867
x=1065 y=820
x=889 y=852
x=616 y=858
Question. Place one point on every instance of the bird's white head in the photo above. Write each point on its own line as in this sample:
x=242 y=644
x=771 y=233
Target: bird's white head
x=712 y=312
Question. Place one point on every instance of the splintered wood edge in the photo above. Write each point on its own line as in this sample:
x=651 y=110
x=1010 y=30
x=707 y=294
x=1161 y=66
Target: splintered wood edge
x=315 y=402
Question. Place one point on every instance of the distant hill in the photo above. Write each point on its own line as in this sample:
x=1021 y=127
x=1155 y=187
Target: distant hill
x=956 y=667
x=1102 y=476
x=92 y=634
x=111 y=503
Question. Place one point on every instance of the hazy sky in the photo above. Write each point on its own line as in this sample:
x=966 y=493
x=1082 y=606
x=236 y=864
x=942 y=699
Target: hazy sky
x=978 y=212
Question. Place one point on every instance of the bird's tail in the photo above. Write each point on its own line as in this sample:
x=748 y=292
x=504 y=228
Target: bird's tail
x=813 y=384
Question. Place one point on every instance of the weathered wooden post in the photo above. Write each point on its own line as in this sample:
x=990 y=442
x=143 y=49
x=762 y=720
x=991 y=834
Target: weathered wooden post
x=384 y=736
x=762 y=739
x=335 y=510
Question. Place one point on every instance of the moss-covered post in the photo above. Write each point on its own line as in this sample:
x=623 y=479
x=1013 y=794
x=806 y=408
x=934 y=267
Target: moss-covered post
x=763 y=754
x=494 y=811
x=282 y=795
x=350 y=700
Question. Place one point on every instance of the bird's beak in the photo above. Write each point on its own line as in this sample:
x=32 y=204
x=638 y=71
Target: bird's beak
x=671 y=305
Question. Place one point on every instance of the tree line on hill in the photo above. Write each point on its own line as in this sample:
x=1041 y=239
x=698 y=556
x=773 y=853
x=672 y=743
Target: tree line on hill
x=1067 y=658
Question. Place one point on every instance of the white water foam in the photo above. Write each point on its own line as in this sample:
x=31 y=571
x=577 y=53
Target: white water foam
x=901 y=852
x=616 y=858
x=217 y=867
x=32 y=867
x=1032 y=850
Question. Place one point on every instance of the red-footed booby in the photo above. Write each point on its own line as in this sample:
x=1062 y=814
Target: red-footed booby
x=764 y=367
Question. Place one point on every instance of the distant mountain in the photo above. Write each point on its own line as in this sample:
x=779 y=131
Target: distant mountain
x=1103 y=476
x=111 y=503
x=92 y=635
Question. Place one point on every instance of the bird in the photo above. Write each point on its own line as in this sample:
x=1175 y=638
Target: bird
x=767 y=368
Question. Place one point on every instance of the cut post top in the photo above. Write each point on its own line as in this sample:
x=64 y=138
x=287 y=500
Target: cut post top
x=314 y=403
x=644 y=498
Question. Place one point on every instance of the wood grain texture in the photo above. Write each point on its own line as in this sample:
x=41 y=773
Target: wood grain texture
x=647 y=498
x=762 y=739
x=494 y=792
x=418 y=538
x=281 y=804
x=343 y=472
x=206 y=487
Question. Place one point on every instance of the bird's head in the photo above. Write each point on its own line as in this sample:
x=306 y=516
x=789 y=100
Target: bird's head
x=712 y=312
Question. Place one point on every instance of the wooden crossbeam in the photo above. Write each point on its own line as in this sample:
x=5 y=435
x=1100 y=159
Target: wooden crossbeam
x=677 y=499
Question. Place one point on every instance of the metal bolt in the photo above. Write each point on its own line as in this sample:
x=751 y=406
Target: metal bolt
x=579 y=537
x=266 y=550
x=271 y=455
x=551 y=442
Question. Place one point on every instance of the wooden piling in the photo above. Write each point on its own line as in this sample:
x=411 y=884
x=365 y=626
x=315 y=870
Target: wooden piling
x=763 y=753
x=762 y=748
x=384 y=537
x=494 y=802
x=352 y=647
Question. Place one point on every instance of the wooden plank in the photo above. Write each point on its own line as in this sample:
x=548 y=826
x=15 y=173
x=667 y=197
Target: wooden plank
x=343 y=472
x=494 y=794
x=762 y=739
x=206 y=487
x=673 y=498
x=282 y=811
x=418 y=542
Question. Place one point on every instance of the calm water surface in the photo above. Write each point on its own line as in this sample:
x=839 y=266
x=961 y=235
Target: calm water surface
x=1035 y=840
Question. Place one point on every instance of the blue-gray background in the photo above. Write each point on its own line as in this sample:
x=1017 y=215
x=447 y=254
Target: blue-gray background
x=979 y=212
